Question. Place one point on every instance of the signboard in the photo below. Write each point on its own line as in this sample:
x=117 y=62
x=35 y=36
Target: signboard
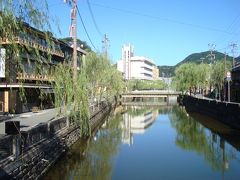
x=229 y=76
x=2 y=62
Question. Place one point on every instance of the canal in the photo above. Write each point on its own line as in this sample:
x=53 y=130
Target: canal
x=154 y=143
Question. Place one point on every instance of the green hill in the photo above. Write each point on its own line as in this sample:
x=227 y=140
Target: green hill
x=202 y=57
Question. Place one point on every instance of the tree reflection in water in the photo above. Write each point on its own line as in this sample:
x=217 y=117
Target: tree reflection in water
x=193 y=136
x=92 y=158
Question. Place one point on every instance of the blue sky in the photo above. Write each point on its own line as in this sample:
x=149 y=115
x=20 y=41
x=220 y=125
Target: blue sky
x=164 y=31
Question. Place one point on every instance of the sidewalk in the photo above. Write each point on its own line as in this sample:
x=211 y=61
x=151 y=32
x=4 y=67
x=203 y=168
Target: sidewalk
x=30 y=119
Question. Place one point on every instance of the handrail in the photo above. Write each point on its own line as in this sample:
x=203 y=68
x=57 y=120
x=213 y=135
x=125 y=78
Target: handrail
x=27 y=76
x=33 y=44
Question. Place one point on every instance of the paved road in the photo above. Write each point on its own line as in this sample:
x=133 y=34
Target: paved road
x=30 y=119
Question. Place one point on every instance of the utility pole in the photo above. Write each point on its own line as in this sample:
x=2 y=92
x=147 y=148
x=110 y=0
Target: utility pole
x=211 y=55
x=233 y=45
x=225 y=61
x=225 y=75
x=73 y=30
x=105 y=46
x=74 y=18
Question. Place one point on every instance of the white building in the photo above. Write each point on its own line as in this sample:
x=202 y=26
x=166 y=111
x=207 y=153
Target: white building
x=135 y=67
x=141 y=68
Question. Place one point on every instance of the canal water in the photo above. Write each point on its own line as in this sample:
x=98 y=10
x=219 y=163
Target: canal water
x=154 y=143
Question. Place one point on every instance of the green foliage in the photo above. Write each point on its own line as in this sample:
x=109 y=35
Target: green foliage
x=104 y=79
x=71 y=98
x=185 y=78
x=196 y=58
x=191 y=77
x=218 y=75
x=80 y=43
x=203 y=57
x=15 y=17
x=146 y=85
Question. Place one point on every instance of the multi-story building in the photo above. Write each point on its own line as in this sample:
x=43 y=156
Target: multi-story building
x=136 y=67
x=127 y=54
x=141 y=68
x=27 y=62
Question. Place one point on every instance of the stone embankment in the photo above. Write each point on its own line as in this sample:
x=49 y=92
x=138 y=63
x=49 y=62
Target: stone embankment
x=226 y=112
x=29 y=154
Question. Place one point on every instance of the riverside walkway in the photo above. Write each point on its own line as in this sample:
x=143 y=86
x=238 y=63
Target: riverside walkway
x=30 y=119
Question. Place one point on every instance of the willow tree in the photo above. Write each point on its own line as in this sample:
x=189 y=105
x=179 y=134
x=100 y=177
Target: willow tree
x=203 y=77
x=185 y=77
x=103 y=78
x=218 y=75
x=72 y=99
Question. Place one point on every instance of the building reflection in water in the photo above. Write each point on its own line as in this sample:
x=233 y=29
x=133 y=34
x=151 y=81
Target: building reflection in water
x=136 y=121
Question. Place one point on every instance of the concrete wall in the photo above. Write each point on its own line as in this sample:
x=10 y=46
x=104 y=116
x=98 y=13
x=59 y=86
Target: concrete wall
x=37 y=149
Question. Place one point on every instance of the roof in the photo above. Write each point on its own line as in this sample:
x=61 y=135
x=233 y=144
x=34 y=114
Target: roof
x=142 y=58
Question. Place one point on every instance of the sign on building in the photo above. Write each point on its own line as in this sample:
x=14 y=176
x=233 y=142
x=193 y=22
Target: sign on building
x=2 y=62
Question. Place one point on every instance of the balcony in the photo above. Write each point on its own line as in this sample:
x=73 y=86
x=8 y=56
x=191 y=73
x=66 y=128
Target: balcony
x=34 y=77
x=33 y=44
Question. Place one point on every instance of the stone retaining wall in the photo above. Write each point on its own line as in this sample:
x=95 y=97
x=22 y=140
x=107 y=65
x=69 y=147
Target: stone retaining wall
x=228 y=113
x=42 y=146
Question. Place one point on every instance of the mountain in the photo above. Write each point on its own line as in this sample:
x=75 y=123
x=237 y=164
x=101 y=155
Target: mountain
x=194 y=58
x=204 y=57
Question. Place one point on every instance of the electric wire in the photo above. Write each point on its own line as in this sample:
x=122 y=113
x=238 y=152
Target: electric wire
x=85 y=29
x=162 y=19
x=93 y=18
x=231 y=29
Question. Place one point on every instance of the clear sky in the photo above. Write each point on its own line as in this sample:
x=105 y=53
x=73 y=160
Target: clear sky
x=164 y=31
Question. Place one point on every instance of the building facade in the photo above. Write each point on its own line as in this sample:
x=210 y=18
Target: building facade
x=127 y=54
x=27 y=62
x=141 y=68
x=136 y=67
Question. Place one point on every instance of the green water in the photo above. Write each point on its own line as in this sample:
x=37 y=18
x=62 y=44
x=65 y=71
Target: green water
x=154 y=143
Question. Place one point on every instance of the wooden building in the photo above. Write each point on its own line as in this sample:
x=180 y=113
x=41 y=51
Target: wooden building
x=235 y=84
x=26 y=64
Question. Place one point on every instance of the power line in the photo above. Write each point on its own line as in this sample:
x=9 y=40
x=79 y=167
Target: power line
x=230 y=29
x=162 y=19
x=93 y=18
x=85 y=29
x=233 y=45
x=211 y=55
x=105 y=42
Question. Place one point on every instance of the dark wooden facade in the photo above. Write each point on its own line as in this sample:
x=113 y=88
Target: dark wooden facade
x=235 y=84
x=29 y=70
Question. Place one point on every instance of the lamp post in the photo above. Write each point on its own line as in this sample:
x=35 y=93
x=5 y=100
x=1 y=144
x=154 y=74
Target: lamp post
x=228 y=80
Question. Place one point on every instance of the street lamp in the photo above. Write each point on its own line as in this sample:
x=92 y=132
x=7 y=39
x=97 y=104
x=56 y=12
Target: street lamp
x=228 y=80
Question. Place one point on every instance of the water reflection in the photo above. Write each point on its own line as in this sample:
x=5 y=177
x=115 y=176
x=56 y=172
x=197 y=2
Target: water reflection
x=136 y=121
x=92 y=158
x=216 y=142
x=166 y=142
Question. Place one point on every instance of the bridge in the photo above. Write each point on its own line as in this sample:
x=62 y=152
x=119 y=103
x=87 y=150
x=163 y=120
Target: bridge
x=151 y=97
x=150 y=93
